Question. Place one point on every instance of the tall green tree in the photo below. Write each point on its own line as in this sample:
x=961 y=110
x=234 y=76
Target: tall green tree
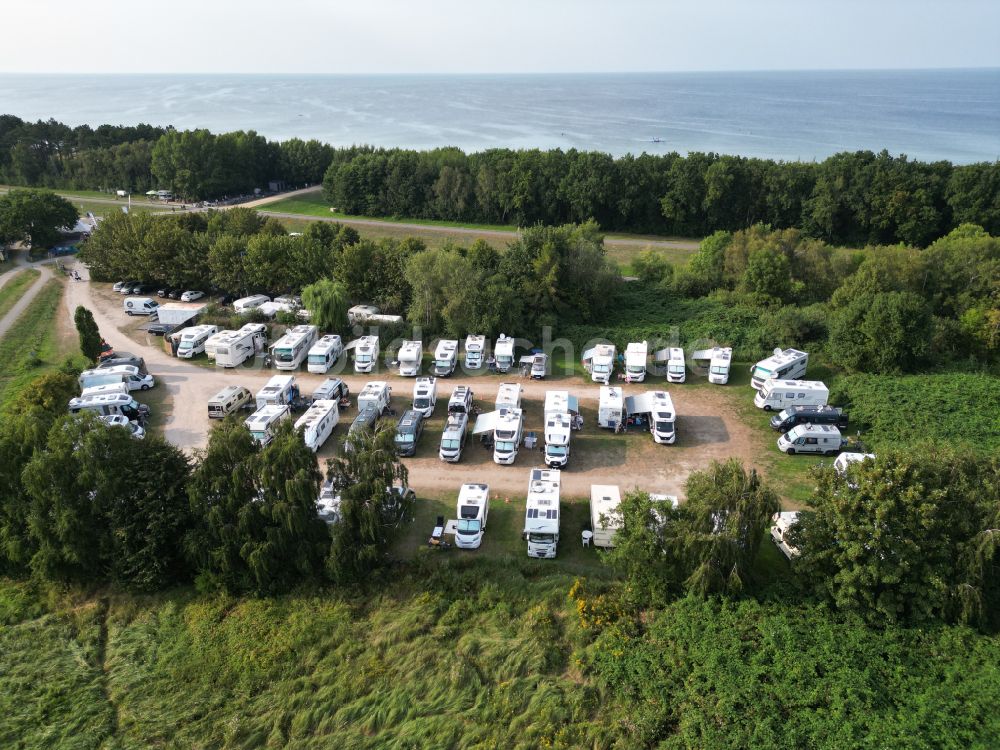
x=34 y=217
x=326 y=301
x=370 y=514
x=90 y=335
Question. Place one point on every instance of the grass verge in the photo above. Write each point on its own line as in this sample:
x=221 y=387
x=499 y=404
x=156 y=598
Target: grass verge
x=15 y=288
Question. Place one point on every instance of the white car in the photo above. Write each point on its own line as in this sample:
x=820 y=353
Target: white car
x=191 y=296
x=120 y=420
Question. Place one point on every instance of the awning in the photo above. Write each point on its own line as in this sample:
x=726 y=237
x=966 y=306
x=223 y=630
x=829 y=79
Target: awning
x=702 y=354
x=588 y=355
x=486 y=422
x=352 y=345
x=641 y=404
x=661 y=356
x=574 y=404
x=527 y=359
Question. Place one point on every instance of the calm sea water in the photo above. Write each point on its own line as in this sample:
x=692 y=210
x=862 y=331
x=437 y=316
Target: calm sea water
x=951 y=114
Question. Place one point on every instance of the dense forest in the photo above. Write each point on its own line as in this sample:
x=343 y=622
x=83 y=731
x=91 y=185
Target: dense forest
x=847 y=199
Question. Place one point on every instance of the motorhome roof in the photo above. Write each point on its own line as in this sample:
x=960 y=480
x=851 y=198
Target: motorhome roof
x=675 y=353
x=193 y=332
x=252 y=328
x=326 y=343
x=410 y=348
x=226 y=392
x=116 y=370
x=473 y=494
x=543 y=487
x=265 y=415
x=408 y=422
x=782 y=357
x=103 y=399
x=508 y=393
x=604 y=350
x=445 y=349
x=611 y=395
x=424 y=387
x=316 y=411
x=509 y=417
x=798 y=385
x=474 y=343
x=505 y=345
x=374 y=388
x=815 y=429
x=294 y=336
x=556 y=401
x=604 y=498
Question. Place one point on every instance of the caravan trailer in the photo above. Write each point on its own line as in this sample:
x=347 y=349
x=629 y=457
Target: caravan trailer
x=541 y=516
x=789 y=364
x=782 y=394
x=229 y=399
x=291 y=349
x=604 y=521
x=324 y=353
x=318 y=422
x=191 y=340
x=635 y=361
x=445 y=357
x=246 y=304
x=475 y=350
x=473 y=510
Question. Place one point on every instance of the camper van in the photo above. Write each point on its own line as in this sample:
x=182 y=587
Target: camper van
x=291 y=349
x=789 y=364
x=507 y=436
x=263 y=421
x=331 y=389
x=318 y=422
x=676 y=369
x=781 y=524
x=128 y=374
x=324 y=353
x=461 y=400
x=539 y=366
x=375 y=395
x=445 y=357
x=453 y=437
x=408 y=431
x=410 y=356
x=100 y=390
x=475 y=350
x=656 y=410
x=246 y=304
x=361 y=315
x=365 y=354
x=473 y=509
x=610 y=407
x=541 y=516
x=237 y=347
x=812 y=438
x=503 y=353
x=718 y=368
x=365 y=420
x=425 y=396
x=558 y=427
x=280 y=390
x=140 y=306
x=788 y=418
x=111 y=403
x=509 y=396
x=229 y=399
x=604 y=501
x=600 y=363
x=783 y=394
x=635 y=361
x=191 y=340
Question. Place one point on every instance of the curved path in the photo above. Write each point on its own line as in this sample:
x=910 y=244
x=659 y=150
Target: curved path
x=30 y=293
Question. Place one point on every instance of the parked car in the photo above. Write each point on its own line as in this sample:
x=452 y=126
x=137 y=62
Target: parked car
x=191 y=296
x=117 y=287
x=159 y=329
x=163 y=292
x=143 y=289
x=120 y=420
x=175 y=293
x=115 y=361
x=126 y=287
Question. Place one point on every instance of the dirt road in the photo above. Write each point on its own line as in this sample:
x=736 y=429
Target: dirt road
x=708 y=426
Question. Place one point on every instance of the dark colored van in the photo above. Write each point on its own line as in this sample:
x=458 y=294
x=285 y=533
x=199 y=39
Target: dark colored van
x=408 y=431
x=365 y=420
x=785 y=420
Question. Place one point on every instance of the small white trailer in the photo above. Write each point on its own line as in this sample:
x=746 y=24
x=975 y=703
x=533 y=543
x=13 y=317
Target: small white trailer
x=324 y=353
x=239 y=346
x=318 y=422
x=604 y=523
x=246 y=304
x=361 y=315
x=788 y=364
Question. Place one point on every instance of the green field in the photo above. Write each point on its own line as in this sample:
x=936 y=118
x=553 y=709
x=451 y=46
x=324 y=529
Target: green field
x=13 y=290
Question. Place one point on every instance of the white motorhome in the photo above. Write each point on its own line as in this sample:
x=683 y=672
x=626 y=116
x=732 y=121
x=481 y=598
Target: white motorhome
x=280 y=390
x=110 y=403
x=541 y=517
x=228 y=400
x=676 y=368
x=473 y=509
x=365 y=354
x=604 y=523
x=246 y=304
x=328 y=504
x=781 y=524
x=453 y=437
x=844 y=460
x=318 y=422
x=507 y=436
x=370 y=315
x=475 y=349
x=503 y=353
x=410 y=356
x=635 y=361
x=781 y=394
x=213 y=341
x=812 y=438
x=324 y=353
x=600 y=363
x=140 y=306
x=425 y=396
x=191 y=340
x=445 y=357
x=375 y=395
x=789 y=364
x=509 y=396
x=718 y=368
x=610 y=407
x=263 y=421
x=291 y=349
x=100 y=390
x=233 y=348
x=331 y=389
x=461 y=400
x=656 y=408
x=558 y=427
x=128 y=374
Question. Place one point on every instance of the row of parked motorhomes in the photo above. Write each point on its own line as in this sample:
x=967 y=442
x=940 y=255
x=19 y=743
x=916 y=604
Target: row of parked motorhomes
x=106 y=391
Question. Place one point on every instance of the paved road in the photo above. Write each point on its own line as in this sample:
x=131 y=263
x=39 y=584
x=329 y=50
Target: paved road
x=30 y=293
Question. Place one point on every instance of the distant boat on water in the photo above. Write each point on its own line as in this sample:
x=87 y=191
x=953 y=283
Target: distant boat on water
x=656 y=140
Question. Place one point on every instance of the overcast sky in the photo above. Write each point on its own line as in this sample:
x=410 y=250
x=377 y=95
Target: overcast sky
x=493 y=36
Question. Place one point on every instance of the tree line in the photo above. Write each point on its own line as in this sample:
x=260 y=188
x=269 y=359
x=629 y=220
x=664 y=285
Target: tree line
x=89 y=504
x=194 y=164
x=849 y=198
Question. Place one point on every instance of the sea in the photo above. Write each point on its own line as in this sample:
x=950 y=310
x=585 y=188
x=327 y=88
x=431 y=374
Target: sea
x=808 y=115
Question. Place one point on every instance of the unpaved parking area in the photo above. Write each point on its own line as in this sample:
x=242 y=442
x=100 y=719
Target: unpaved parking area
x=708 y=425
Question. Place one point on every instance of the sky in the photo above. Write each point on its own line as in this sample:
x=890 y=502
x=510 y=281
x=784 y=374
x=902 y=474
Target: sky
x=491 y=36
